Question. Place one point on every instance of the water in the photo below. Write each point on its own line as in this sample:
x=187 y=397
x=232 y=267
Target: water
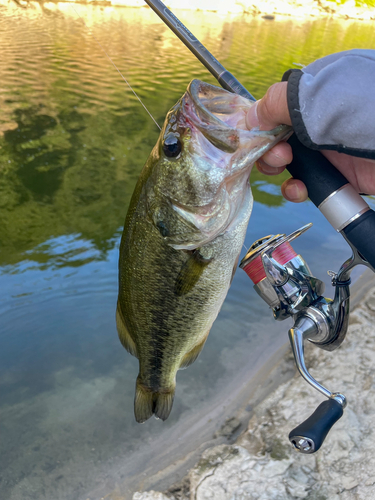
x=73 y=141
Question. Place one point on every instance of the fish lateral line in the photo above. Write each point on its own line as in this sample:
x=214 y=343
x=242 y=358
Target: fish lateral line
x=116 y=68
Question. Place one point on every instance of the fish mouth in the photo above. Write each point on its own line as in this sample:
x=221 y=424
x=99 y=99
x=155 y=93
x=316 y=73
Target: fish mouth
x=220 y=116
x=209 y=105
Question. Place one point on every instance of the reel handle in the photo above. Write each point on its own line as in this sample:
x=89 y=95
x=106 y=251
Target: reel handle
x=308 y=437
x=330 y=191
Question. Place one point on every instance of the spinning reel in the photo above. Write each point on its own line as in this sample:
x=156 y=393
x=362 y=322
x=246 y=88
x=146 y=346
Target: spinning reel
x=284 y=281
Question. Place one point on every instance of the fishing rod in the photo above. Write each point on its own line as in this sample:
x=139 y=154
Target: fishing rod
x=280 y=276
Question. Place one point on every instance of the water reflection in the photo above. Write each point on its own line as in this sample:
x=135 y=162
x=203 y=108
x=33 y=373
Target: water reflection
x=73 y=139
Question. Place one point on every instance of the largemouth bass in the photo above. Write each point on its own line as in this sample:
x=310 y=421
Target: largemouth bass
x=183 y=234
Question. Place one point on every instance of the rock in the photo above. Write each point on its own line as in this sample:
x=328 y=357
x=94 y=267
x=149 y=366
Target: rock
x=150 y=495
x=229 y=428
x=295 y=489
x=276 y=468
x=370 y=302
x=349 y=482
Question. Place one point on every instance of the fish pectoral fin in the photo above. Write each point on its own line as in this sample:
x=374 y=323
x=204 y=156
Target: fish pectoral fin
x=192 y=355
x=191 y=271
x=123 y=333
x=148 y=402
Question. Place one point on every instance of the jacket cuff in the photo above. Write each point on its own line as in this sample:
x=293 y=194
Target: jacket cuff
x=293 y=77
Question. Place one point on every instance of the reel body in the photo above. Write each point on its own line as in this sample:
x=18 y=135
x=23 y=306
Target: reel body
x=284 y=281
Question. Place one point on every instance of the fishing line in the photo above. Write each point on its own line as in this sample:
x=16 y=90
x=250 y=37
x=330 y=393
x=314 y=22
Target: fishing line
x=114 y=65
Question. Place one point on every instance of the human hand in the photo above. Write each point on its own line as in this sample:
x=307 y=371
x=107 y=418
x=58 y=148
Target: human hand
x=271 y=111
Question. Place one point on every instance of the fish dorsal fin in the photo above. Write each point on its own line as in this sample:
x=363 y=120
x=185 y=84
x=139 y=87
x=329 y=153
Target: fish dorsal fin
x=191 y=271
x=123 y=333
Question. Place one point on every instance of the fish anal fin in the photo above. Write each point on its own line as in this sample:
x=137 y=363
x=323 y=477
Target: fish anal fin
x=123 y=333
x=190 y=272
x=148 y=402
x=192 y=355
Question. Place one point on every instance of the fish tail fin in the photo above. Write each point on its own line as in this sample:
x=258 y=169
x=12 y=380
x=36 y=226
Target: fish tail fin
x=163 y=402
x=143 y=402
x=148 y=403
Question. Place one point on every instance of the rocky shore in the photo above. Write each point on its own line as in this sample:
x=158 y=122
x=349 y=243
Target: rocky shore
x=349 y=9
x=262 y=465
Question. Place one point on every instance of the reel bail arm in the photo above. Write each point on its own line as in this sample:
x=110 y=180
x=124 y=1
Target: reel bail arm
x=284 y=281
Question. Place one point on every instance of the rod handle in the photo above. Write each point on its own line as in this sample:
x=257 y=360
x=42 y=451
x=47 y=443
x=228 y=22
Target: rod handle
x=315 y=171
x=345 y=205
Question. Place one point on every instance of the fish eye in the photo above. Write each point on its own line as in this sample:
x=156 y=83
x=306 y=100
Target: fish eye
x=172 y=146
x=162 y=228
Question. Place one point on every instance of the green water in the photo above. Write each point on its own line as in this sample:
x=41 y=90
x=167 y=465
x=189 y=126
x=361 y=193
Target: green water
x=73 y=140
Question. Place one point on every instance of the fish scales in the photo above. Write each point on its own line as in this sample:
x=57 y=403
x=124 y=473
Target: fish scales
x=183 y=234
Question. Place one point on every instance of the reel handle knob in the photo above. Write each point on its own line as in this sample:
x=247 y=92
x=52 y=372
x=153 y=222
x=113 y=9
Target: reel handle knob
x=308 y=437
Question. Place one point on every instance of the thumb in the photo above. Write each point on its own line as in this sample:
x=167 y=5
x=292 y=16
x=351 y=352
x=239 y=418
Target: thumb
x=271 y=110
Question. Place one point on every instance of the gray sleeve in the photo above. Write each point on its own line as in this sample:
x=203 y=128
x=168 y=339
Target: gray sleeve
x=332 y=103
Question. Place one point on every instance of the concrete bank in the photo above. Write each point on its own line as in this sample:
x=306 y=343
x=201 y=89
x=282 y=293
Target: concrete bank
x=262 y=465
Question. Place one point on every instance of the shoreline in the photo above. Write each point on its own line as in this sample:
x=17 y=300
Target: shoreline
x=257 y=431
x=268 y=9
x=260 y=463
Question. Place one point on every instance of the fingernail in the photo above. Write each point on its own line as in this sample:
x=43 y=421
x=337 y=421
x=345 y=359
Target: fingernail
x=292 y=192
x=274 y=159
x=252 y=119
x=268 y=170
